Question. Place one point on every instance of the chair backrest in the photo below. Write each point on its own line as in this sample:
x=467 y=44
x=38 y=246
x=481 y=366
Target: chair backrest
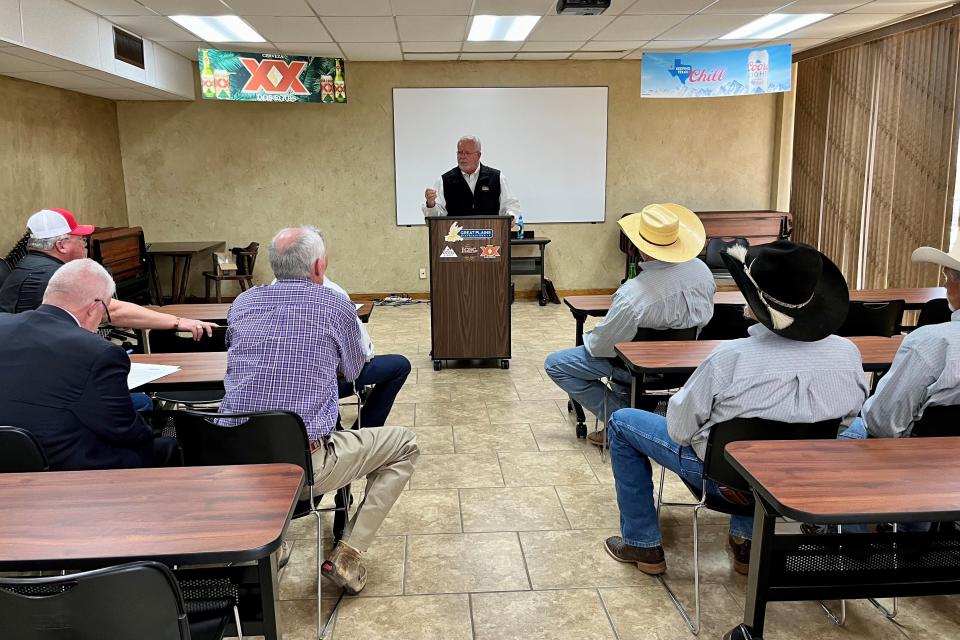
x=667 y=335
x=246 y=258
x=170 y=341
x=872 y=319
x=727 y=323
x=938 y=422
x=716 y=246
x=717 y=468
x=123 y=252
x=260 y=438
x=20 y=452
x=934 y=312
x=137 y=600
x=5 y=270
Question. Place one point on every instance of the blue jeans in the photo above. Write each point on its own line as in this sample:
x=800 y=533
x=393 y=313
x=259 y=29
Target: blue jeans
x=141 y=402
x=387 y=375
x=635 y=437
x=858 y=431
x=578 y=373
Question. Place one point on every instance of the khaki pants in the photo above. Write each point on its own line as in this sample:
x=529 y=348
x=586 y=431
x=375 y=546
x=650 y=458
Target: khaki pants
x=385 y=456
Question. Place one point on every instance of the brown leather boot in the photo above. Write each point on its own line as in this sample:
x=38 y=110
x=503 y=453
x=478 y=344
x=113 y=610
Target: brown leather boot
x=741 y=554
x=650 y=560
x=597 y=438
x=344 y=569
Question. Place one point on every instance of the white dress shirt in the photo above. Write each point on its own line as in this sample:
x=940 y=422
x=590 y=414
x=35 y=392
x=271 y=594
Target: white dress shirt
x=509 y=204
x=364 y=336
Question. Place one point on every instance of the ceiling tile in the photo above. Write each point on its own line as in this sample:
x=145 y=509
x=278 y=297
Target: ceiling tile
x=247 y=47
x=639 y=27
x=843 y=25
x=491 y=47
x=372 y=50
x=542 y=55
x=119 y=94
x=636 y=55
x=10 y=63
x=512 y=7
x=616 y=8
x=756 y=7
x=187 y=7
x=613 y=45
x=548 y=46
x=114 y=7
x=323 y=49
x=153 y=28
x=822 y=6
x=414 y=57
x=721 y=45
x=66 y=79
x=351 y=7
x=702 y=27
x=289 y=29
x=362 y=29
x=667 y=6
x=799 y=44
x=47 y=59
x=432 y=7
x=430 y=47
x=186 y=49
x=883 y=6
x=486 y=56
x=673 y=45
x=597 y=55
x=569 y=27
x=271 y=8
x=432 y=28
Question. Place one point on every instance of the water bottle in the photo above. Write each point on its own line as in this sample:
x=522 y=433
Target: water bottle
x=520 y=225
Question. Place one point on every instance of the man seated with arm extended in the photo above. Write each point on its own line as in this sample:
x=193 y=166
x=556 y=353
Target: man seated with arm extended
x=288 y=343
x=68 y=386
x=790 y=369
x=674 y=290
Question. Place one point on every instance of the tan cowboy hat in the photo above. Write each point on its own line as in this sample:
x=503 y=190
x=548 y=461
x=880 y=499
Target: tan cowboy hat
x=935 y=256
x=668 y=232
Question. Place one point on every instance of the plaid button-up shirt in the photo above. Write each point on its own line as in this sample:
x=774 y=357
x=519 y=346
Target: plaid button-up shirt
x=288 y=342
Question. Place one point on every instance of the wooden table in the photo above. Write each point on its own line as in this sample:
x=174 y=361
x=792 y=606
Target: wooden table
x=177 y=516
x=181 y=254
x=530 y=265
x=217 y=311
x=684 y=356
x=848 y=482
x=198 y=371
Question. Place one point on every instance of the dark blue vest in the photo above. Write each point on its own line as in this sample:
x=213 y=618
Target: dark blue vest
x=485 y=199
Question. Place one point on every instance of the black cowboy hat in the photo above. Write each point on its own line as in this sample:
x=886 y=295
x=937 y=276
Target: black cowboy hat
x=793 y=289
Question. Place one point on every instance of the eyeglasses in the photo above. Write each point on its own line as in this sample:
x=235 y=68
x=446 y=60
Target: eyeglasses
x=105 y=310
x=466 y=153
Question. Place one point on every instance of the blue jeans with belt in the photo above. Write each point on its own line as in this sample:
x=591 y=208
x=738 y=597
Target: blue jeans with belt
x=635 y=438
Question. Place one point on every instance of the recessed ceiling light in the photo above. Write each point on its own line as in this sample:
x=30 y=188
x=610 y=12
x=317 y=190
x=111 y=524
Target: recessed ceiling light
x=774 y=25
x=504 y=28
x=219 y=28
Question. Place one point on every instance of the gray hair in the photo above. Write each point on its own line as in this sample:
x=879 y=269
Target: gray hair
x=79 y=282
x=45 y=244
x=474 y=139
x=294 y=258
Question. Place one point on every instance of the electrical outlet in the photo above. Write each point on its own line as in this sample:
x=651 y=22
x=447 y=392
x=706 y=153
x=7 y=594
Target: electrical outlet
x=423 y=273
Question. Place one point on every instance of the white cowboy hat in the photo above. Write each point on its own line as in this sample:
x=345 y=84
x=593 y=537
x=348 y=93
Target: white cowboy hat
x=935 y=256
x=668 y=232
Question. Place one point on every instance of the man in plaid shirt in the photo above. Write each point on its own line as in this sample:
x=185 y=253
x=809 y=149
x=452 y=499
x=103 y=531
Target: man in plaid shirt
x=289 y=343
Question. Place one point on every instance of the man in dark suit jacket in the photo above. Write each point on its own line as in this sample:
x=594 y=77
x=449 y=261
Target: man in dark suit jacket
x=67 y=385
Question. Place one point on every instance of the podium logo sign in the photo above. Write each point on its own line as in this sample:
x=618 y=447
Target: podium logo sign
x=490 y=251
x=458 y=233
x=448 y=253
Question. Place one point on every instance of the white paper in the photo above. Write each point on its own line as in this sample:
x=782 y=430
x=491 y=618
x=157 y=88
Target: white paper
x=358 y=306
x=141 y=374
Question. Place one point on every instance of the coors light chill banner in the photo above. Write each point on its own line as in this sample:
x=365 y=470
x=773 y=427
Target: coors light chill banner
x=713 y=74
x=266 y=77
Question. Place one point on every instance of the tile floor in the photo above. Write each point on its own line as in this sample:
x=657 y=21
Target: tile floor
x=499 y=534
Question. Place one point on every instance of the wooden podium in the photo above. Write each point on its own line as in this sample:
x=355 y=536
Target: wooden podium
x=469 y=288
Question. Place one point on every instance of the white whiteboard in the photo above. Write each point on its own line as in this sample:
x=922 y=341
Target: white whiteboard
x=549 y=142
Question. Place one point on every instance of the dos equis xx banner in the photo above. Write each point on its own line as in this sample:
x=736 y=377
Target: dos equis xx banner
x=267 y=77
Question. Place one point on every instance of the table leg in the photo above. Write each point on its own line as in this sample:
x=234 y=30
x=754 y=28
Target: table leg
x=543 y=287
x=184 y=278
x=578 y=341
x=155 y=281
x=269 y=596
x=761 y=555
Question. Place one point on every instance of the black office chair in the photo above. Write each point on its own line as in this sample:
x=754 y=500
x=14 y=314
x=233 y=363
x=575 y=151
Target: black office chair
x=873 y=319
x=170 y=341
x=137 y=600
x=5 y=270
x=938 y=422
x=20 y=452
x=716 y=468
x=261 y=438
x=727 y=323
x=716 y=247
x=934 y=311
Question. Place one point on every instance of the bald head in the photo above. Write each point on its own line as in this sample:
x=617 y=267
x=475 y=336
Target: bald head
x=77 y=287
x=298 y=252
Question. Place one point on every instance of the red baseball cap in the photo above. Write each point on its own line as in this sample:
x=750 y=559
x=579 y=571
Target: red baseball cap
x=50 y=223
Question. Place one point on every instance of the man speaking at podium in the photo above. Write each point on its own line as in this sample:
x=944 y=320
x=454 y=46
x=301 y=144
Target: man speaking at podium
x=470 y=188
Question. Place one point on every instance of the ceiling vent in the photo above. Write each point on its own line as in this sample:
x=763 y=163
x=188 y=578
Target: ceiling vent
x=128 y=48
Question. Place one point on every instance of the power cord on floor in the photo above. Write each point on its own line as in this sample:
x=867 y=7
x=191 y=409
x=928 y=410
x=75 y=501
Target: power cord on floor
x=398 y=300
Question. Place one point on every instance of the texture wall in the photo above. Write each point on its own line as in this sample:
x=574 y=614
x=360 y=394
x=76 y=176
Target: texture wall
x=59 y=149
x=239 y=171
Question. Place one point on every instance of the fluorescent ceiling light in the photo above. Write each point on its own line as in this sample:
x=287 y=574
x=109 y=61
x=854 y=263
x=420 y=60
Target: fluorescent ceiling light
x=505 y=28
x=219 y=28
x=774 y=25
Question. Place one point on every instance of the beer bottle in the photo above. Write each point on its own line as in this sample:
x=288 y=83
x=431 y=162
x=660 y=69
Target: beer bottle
x=339 y=88
x=207 y=81
x=631 y=270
